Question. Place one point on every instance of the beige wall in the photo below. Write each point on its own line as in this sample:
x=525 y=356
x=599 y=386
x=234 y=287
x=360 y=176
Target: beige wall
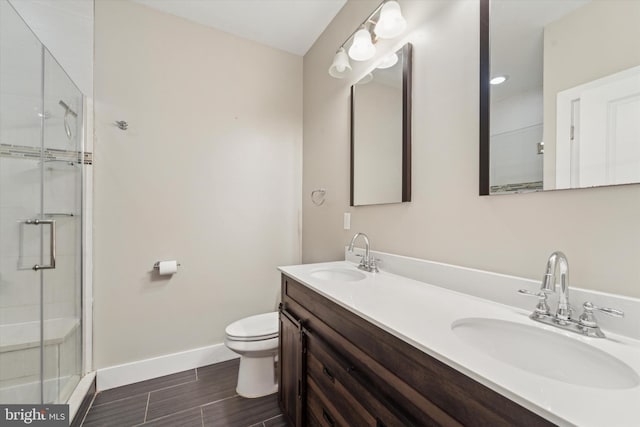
x=596 y=40
x=208 y=174
x=447 y=221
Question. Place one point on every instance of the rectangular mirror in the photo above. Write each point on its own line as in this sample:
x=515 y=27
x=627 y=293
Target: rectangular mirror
x=560 y=94
x=381 y=133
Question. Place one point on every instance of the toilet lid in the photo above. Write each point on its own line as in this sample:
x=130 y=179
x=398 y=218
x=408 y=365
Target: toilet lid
x=254 y=328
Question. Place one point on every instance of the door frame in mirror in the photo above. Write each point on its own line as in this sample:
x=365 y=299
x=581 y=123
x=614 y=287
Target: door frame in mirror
x=407 y=65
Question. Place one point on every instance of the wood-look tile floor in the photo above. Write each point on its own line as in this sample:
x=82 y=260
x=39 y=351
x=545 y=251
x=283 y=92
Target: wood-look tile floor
x=199 y=397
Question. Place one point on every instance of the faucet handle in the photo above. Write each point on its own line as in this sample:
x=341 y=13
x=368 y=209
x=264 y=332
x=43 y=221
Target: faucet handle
x=539 y=294
x=362 y=263
x=542 y=307
x=611 y=311
x=373 y=264
x=588 y=319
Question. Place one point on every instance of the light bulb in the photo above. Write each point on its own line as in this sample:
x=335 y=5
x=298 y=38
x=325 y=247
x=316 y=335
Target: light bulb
x=388 y=61
x=340 y=66
x=391 y=22
x=362 y=48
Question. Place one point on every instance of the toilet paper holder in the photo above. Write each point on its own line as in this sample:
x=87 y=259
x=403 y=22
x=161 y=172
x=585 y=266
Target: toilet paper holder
x=156 y=266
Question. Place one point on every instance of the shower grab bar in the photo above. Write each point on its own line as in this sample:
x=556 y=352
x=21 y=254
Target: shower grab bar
x=52 y=224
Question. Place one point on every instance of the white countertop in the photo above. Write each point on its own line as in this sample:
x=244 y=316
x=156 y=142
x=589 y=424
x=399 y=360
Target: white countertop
x=421 y=314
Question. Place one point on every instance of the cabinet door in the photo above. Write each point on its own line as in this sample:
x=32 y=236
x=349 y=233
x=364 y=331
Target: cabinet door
x=290 y=367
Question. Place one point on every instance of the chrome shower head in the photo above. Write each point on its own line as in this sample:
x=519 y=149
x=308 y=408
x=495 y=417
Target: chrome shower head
x=67 y=111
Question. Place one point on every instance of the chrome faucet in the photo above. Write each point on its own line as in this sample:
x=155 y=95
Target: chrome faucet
x=586 y=323
x=367 y=263
x=563 y=313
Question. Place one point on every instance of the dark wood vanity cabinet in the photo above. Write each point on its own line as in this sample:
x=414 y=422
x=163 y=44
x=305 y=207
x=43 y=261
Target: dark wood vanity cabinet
x=337 y=369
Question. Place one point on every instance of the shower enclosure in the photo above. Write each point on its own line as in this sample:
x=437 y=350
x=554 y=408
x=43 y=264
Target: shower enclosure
x=41 y=162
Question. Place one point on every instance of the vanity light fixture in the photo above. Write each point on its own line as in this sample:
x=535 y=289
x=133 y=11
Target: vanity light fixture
x=386 y=21
x=340 y=66
x=388 y=61
x=497 y=80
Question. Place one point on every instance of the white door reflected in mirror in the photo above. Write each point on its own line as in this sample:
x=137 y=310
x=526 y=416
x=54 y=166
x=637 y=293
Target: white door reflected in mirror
x=598 y=132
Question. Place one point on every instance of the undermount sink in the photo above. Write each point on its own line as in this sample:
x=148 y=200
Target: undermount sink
x=338 y=274
x=546 y=353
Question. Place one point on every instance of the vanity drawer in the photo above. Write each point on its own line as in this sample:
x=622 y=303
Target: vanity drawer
x=321 y=411
x=336 y=376
x=343 y=401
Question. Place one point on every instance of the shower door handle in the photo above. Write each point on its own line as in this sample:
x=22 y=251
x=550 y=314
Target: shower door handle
x=52 y=243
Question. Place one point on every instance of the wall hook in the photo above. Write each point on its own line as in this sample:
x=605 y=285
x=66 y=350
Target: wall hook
x=122 y=125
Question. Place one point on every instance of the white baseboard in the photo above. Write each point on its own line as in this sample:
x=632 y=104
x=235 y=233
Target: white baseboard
x=141 y=370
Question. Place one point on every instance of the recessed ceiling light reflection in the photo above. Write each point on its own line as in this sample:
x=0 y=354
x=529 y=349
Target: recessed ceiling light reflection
x=499 y=79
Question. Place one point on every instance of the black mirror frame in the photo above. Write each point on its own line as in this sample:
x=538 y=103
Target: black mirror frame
x=407 y=65
x=485 y=93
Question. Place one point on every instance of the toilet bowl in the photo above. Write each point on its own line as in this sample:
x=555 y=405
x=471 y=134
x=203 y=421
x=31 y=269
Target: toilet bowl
x=255 y=339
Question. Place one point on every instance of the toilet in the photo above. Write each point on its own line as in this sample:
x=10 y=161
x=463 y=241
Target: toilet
x=255 y=339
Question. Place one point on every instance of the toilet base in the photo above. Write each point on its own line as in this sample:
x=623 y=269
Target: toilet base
x=256 y=376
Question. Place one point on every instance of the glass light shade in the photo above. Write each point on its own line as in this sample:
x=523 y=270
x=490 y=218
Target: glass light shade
x=362 y=48
x=340 y=66
x=388 y=61
x=391 y=22
x=366 y=79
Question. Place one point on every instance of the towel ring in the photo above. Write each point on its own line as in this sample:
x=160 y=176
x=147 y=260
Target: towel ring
x=317 y=196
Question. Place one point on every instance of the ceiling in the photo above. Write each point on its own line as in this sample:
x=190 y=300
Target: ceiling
x=66 y=26
x=290 y=25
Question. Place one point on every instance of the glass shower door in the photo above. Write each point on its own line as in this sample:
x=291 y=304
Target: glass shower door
x=61 y=204
x=40 y=220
